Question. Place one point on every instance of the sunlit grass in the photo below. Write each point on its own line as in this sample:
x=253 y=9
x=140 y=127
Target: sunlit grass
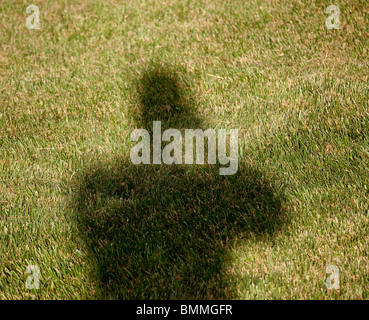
x=297 y=92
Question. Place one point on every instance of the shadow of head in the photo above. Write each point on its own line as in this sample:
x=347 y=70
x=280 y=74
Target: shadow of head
x=162 y=232
x=164 y=95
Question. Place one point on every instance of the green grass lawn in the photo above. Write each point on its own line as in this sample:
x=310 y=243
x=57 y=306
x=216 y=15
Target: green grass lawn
x=99 y=227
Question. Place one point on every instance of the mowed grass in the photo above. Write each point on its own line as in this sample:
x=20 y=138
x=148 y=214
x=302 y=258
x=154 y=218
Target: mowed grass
x=72 y=204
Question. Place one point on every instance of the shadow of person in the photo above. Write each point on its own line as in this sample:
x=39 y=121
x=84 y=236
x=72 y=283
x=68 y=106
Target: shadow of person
x=162 y=231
